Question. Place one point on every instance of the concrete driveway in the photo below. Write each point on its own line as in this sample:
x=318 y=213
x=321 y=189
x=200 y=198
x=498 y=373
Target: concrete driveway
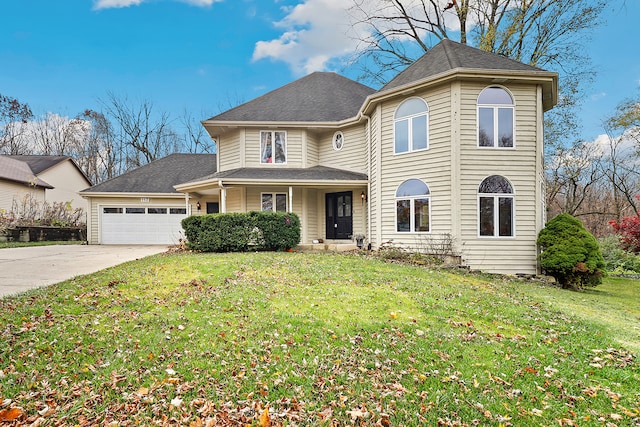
x=31 y=267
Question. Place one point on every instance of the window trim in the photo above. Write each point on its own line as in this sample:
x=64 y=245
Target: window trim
x=409 y=119
x=496 y=210
x=333 y=141
x=273 y=138
x=412 y=211
x=495 y=109
x=274 y=204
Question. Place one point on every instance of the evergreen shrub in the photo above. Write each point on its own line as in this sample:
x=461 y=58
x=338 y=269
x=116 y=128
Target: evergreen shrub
x=241 y=232
x=570 y=253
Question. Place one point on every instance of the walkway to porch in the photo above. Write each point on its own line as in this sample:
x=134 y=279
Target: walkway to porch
x=327 y=246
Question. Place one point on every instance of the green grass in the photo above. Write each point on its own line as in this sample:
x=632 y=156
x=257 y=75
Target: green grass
x=318 y=339
x=4 y=245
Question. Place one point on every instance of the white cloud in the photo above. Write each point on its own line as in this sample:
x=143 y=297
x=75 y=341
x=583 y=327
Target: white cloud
x=315 y=32
x=109 y=4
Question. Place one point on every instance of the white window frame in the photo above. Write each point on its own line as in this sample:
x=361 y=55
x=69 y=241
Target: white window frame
x=274 y=205
x=496 y=211
x=495 y=108
x=334 y=141
x=273 y=139
x=409 y=120
x=412 y=209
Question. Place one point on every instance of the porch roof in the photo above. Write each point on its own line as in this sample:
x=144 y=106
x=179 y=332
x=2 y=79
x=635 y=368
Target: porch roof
x=316 y=175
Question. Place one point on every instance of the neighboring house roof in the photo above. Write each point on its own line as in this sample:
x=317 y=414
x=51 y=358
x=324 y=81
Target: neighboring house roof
x=160 y=175
x=20 y=172
x=317 y=97
x=41 y=163
x=315 y=173
x=449 y=55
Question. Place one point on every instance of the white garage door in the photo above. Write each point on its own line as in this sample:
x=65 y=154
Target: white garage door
x=141 y=225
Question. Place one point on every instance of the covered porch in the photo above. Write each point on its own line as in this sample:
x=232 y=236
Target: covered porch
x=332 y=204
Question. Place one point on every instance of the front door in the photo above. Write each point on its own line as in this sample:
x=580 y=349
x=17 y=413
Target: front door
x=339 y=215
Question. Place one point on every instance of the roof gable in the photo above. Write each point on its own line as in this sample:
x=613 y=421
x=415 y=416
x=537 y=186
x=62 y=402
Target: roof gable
x=160 y=175
x=42 y=163
x=449 y=55
x=18 y=171
x=317 y=97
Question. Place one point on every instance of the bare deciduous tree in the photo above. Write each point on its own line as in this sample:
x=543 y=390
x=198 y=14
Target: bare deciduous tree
x=140 y=133
x=13 y=118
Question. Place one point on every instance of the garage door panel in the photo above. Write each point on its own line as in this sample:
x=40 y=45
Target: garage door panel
x=152 y=225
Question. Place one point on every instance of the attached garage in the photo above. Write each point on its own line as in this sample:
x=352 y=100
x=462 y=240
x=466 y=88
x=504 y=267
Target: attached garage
x=158 y=225
x=142 y=206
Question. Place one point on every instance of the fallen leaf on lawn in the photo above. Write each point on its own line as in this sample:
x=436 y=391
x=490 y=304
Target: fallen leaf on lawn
x=10 y=414
x=265 y=420
x=393 y=315
x=176 y=401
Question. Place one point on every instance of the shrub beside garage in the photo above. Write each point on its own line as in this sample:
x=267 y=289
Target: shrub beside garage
x=241 y=232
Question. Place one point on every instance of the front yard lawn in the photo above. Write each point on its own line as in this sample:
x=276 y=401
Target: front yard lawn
x=268 y=339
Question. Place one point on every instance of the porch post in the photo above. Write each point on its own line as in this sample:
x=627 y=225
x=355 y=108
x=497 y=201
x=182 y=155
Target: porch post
x=186 y=202
x=223 y=197
x=290 y=199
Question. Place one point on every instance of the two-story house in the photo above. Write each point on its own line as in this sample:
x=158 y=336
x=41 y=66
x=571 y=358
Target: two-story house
x=448 y=154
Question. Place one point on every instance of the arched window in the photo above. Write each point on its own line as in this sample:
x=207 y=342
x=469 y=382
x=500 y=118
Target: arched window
x=495 y=118
x=411 y=124
x=413 y=207
x=496 y=207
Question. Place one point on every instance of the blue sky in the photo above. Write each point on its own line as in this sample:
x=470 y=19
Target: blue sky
x=205 y=56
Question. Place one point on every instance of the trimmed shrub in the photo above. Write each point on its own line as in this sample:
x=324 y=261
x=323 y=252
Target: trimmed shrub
x=570 y=253
x=240 y=232
x=617 y=260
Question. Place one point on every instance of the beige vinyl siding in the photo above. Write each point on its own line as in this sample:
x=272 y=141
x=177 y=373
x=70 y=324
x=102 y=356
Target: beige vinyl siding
x=352 y=157
x=67 y=181
x=96 y=203
x=311 y=148
x=375 y=190
x=229 y=150
x=432 y=166
x=519 y=165
x=294 y=148
x=310 y=216
x=10 y=191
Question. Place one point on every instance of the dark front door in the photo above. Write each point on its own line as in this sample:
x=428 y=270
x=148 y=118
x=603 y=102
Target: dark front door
x=339 y=215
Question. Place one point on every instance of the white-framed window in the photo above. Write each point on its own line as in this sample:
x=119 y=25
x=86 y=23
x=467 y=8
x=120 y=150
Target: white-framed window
x=338 y=141
x=276 y=202
x=411 y=126
x=413 y=207
x=273 y=147
x=496 y=208
x=496 y=118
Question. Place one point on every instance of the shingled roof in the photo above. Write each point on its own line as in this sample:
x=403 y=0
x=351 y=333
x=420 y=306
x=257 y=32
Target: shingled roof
x=41 y=163
x=160 y=175
x=18 y=171
x=449 y=55
x=317 y=97
x=315 y=173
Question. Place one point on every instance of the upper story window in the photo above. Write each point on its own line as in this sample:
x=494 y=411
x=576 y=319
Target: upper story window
x=273 y=147
x=338 y=141
x=495 y=118
x=412 y=207
x=496 y=215
x=411 y=126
